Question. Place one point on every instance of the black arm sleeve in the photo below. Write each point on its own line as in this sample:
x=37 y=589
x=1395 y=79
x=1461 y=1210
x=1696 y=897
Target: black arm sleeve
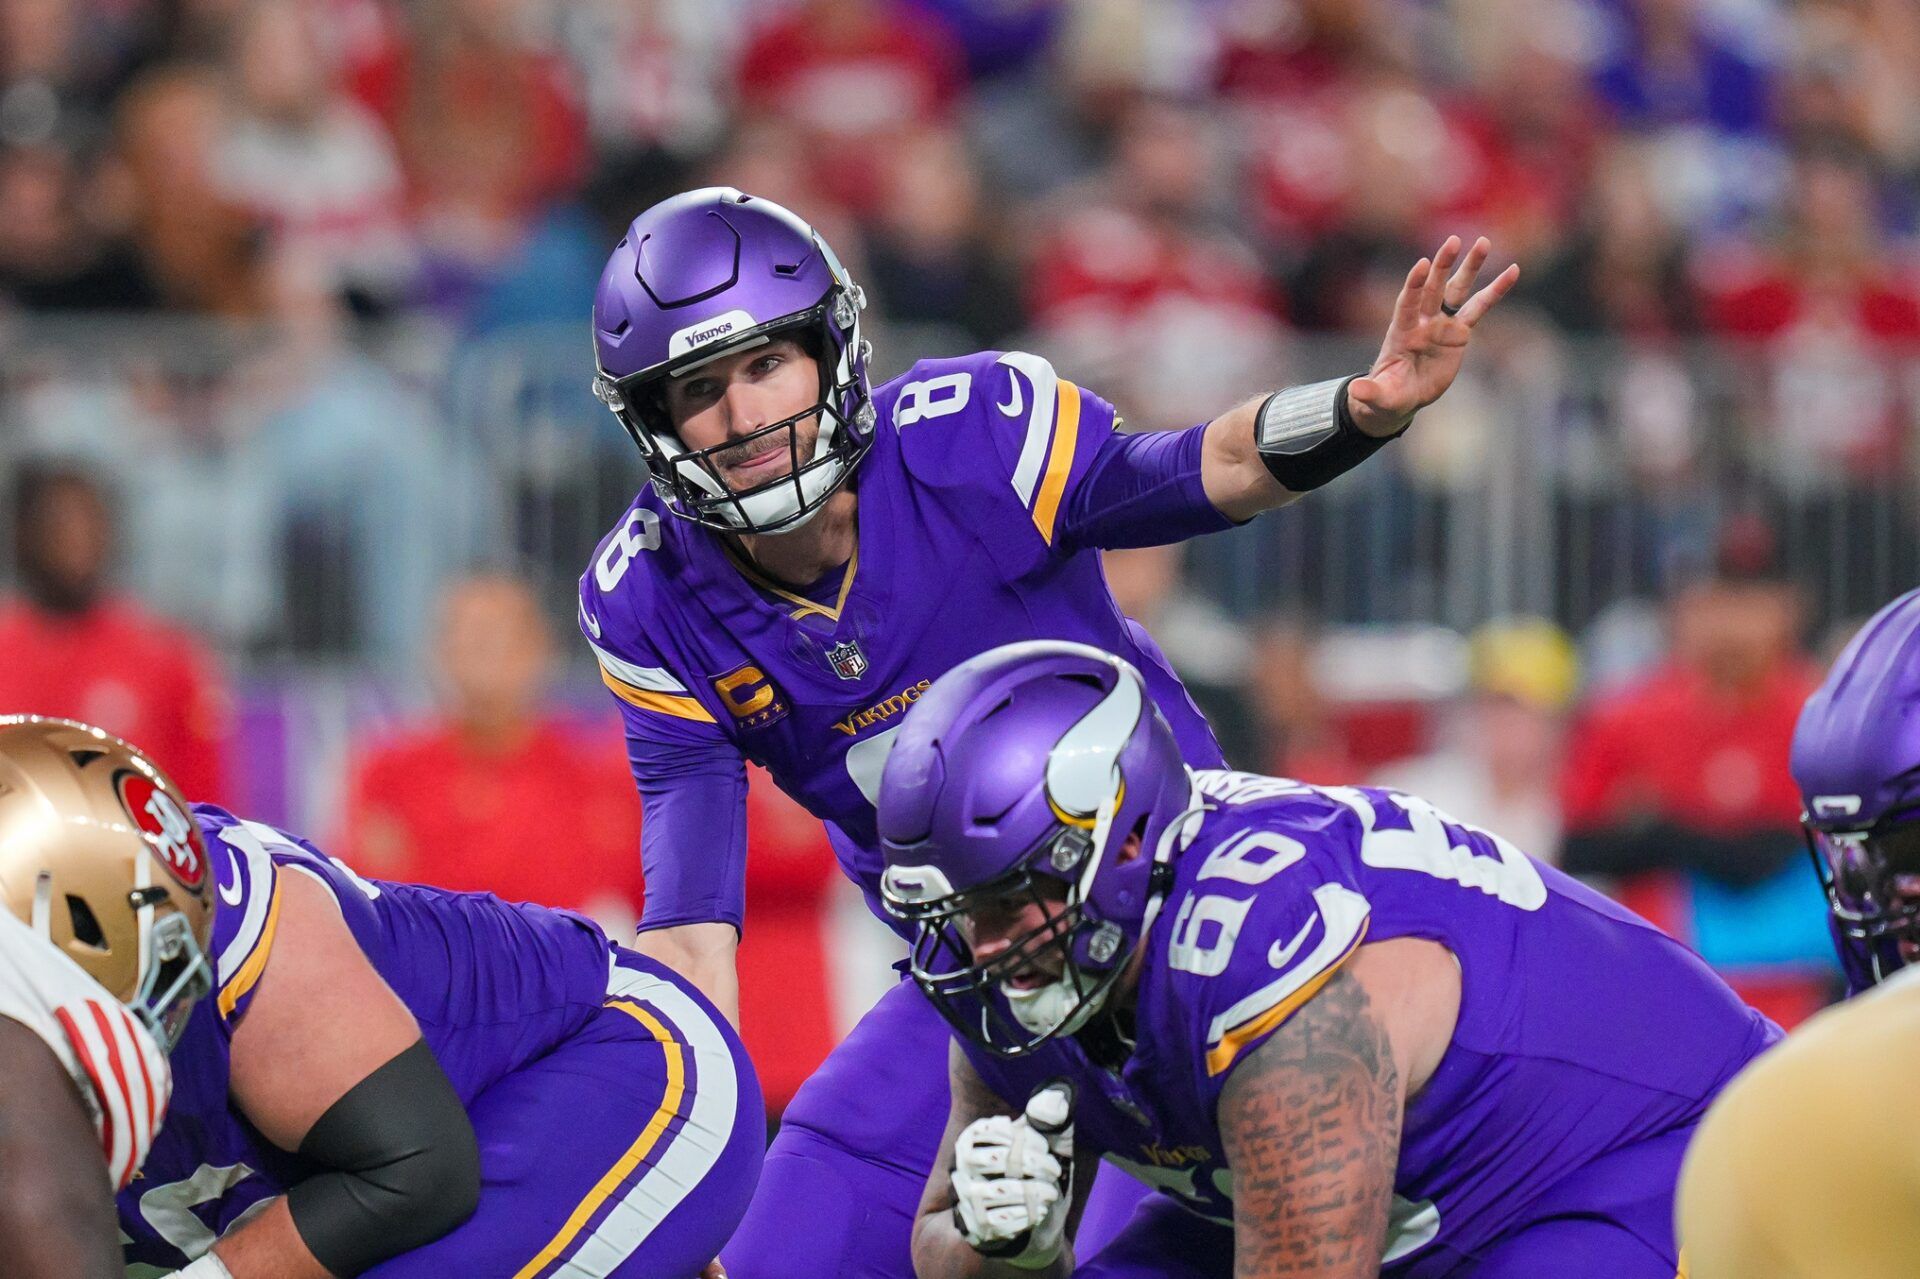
x=1738 y=861
x=405 y=1166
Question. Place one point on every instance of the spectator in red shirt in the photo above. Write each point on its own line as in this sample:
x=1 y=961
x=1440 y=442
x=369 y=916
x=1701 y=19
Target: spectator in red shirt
x=1837 y=303
x=314 y=167
x=68 y=646
x=495 y=796
x=1678 y=790
x=490 y=133
x=1688 y=768
x=855 y=76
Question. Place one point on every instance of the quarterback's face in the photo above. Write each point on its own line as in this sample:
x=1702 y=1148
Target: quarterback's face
x=735 y=395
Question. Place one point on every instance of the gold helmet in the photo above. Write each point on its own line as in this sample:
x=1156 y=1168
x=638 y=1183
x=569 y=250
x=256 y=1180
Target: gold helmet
x=100 y=855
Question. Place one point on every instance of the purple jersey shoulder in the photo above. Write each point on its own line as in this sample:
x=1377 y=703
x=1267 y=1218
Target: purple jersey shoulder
x=1002 y=425
x=629 y=589
x=1266 y=905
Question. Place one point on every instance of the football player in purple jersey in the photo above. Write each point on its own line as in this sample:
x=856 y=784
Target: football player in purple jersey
x=1856 y=759
x=1343 y=1033
x=814 y=551
x=1803 y=1168
x=373 y=1078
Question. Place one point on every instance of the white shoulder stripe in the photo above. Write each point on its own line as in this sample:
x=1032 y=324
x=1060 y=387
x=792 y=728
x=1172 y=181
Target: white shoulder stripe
x=652 y=679
x=1033 y=452
x=254 y=885
x=1344 y=912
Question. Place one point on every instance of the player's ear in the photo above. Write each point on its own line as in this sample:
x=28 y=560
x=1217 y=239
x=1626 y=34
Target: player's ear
x=1129 y=850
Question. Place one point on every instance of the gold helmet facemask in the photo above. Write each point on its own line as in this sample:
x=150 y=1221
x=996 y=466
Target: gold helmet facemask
x=100 y=855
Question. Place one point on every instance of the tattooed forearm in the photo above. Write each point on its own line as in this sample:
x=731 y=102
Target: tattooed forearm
x=1311 y=1127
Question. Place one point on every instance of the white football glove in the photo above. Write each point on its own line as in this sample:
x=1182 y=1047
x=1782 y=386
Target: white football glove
x=1013 y=1180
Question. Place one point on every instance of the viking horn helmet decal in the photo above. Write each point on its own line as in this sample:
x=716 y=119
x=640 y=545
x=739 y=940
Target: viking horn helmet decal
x=1083 y=768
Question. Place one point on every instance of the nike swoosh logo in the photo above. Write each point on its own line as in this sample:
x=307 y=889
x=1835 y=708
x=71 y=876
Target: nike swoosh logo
x=593 y=623
x=230 y=898
x=1018 y=404
x=1279 y=955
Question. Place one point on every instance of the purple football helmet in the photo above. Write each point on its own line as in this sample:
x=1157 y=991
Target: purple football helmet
x=1022 y=770
x=710 y=273
x=1856 y=759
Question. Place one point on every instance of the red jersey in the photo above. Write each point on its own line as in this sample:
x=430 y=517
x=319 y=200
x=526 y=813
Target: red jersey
x=553 y=820
x=1673 y=747
x=120 y=668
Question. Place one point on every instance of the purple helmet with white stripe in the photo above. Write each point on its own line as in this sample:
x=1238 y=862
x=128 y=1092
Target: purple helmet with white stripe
x=710 y=273
x=1856 y=759
x=1024 y=774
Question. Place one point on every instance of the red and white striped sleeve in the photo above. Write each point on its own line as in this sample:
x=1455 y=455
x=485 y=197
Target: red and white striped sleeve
x=118 y=1067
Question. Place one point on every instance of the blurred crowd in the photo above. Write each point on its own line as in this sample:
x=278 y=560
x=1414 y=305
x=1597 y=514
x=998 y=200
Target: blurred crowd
x=294 y=300
x=1190 y=178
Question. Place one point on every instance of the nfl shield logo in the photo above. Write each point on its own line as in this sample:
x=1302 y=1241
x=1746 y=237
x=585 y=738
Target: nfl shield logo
x=847 y=660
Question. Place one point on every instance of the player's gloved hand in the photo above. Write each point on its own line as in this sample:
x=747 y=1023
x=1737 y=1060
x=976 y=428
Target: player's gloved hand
x=208 y=1267
x=1013 y=1182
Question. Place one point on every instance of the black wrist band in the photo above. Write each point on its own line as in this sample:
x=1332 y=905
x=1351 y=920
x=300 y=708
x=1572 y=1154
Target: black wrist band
x=1306 y=436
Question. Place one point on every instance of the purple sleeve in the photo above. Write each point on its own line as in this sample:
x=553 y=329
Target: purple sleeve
x=693 y=831
x=1141 y=490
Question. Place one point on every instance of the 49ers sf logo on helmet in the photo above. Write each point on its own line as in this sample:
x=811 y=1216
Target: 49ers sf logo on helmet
x=173 y=834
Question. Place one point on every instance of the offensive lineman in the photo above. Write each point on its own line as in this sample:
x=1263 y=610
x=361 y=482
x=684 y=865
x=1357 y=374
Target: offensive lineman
x=102 y=956
x=812 y=553
x=1809 y=1166
x=395 y=1080
x=1344 y=1034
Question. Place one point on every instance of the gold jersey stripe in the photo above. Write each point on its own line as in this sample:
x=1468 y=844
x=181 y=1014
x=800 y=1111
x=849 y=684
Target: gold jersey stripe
x=673 y=704
x=1223 y=1054
x=1046 y=508
x=243 y=981
x=642 y=1145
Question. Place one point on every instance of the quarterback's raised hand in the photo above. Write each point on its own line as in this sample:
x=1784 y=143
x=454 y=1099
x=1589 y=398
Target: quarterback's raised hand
x=1013 y=1180
x=1433 y=320
x=1268 y=451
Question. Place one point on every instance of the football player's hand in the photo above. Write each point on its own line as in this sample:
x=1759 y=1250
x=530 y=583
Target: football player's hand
x=1427 y=340
x=1012 y=1180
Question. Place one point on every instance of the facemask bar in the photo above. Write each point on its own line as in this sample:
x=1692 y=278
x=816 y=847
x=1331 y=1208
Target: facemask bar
x=1857 y=869
x=967 y=993
x=177 y=977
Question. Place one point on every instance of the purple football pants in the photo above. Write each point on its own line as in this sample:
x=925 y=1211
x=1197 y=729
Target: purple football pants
x=628 y=1152
x=844 y=1176
x=1612 y=1219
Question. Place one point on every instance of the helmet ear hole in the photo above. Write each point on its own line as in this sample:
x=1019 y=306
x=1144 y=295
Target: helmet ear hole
x=86 y=928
